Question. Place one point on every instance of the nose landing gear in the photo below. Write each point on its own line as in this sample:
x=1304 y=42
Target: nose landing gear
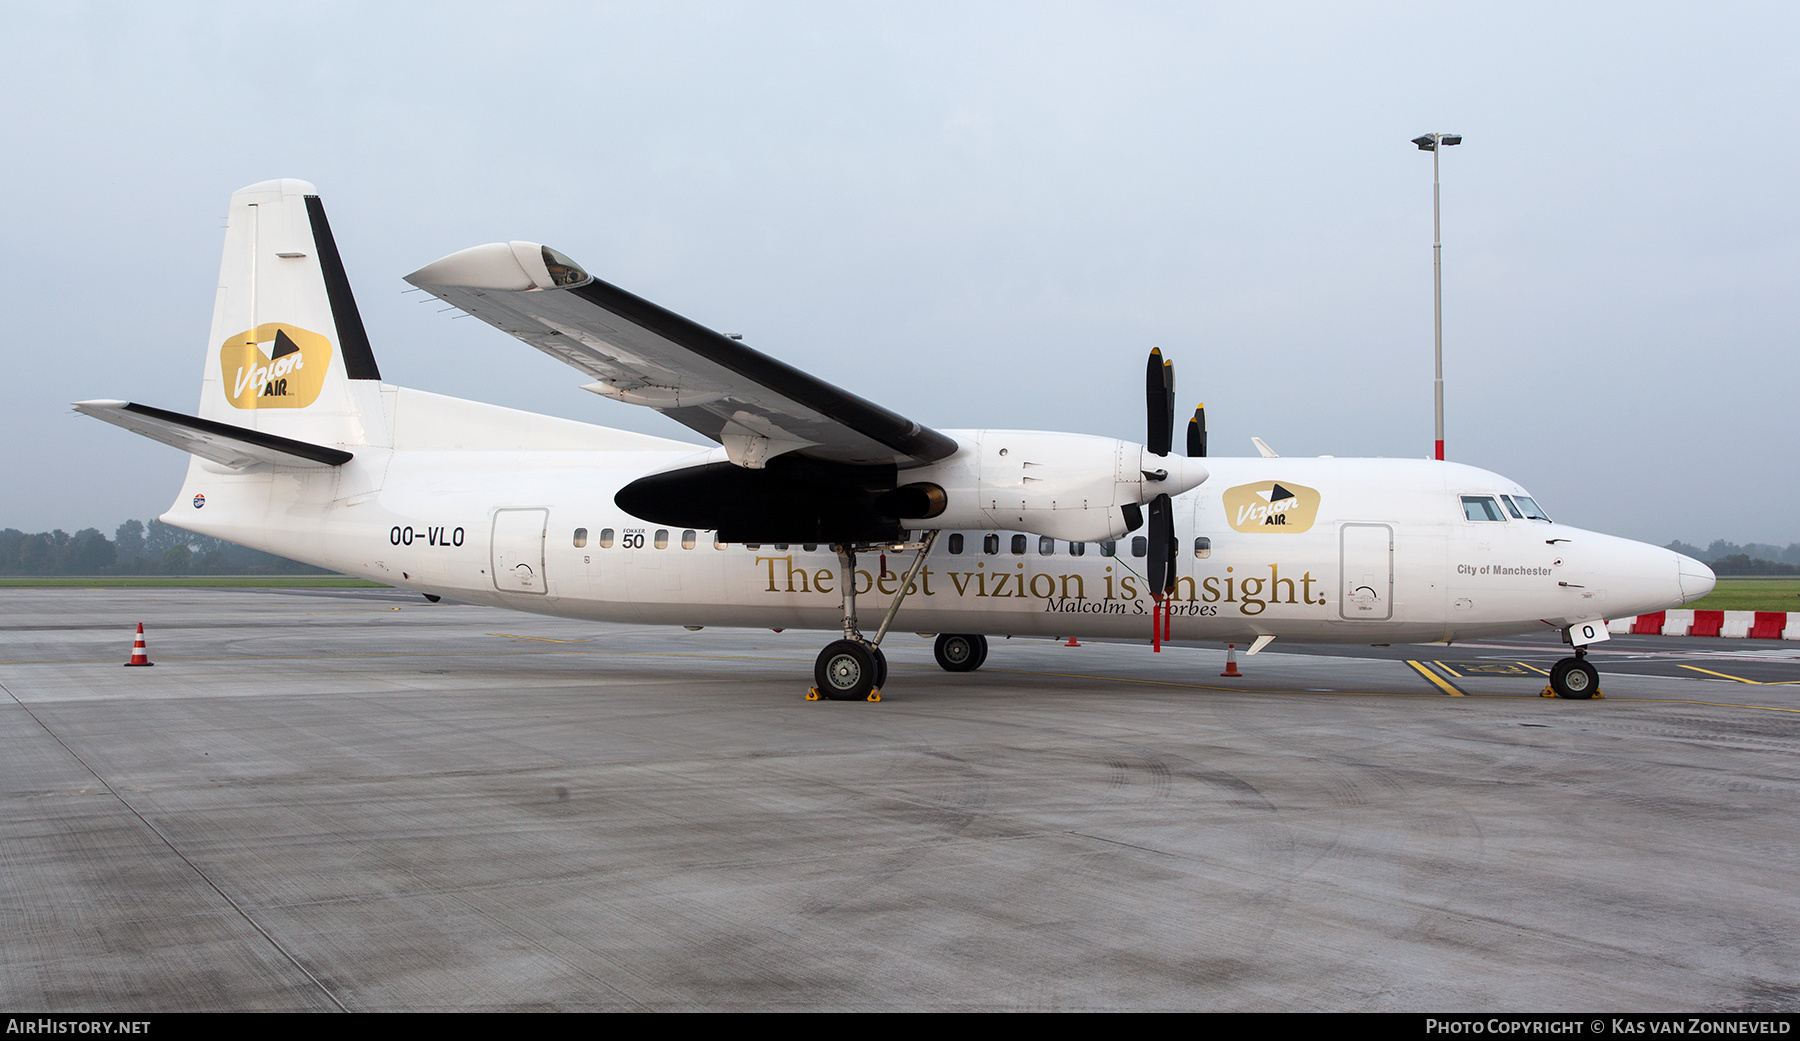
x=1575 y=678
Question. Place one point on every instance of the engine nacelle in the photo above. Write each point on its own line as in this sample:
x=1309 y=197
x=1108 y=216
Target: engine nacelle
x=1074 y=487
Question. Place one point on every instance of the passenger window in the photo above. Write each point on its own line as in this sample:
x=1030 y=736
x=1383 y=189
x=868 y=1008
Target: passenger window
x=810 y=547
x=606 y=538
x=1139 y=545
x=580 y=537
x=1018 y=545
x=990 y=543
x=1046 y=546
x=1203 y=547
x=718 y=543
x=1077 y=549
x=688 y=539
x=956 y=541
x=1109 y=547
x=781 y=547
x=662 y=538
x=753 y=546
x=1481 y=508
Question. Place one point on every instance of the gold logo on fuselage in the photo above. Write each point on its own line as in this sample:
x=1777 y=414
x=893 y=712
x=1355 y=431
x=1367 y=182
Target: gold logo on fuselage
x=1271 y=508
x=287 y=374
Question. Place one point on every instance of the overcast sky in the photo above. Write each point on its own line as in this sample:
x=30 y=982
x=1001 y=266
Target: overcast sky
x=974 y=214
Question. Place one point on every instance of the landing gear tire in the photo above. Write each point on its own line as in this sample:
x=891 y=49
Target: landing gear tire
x=960 y=652
x=1574 y=678
x=846 y=671
x=880 y=668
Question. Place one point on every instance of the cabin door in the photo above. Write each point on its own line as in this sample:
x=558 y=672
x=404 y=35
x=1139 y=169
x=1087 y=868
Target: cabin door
x=1366 y=572
x=518 y=554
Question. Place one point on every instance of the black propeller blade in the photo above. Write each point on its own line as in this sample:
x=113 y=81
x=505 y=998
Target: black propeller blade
x=1161 y=567
x=1197 y=434
x=1159 y=400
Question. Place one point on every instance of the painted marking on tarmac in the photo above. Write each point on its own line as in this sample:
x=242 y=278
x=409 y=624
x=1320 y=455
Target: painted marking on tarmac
x=535 y=639
x=1740 y=679
x=1461 y=669
x=1438 y=681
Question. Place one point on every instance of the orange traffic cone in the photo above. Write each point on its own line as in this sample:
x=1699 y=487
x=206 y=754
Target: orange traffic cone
x=1231 y=668
x=140 y=655
x=1073 y=642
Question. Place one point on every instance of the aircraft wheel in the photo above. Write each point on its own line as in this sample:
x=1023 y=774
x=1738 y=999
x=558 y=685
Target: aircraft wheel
x=960 y=652
x=880 y=668
x=846 y=671
x=1574 y=678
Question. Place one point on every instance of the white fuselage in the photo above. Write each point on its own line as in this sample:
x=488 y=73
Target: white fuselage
x=492 y=506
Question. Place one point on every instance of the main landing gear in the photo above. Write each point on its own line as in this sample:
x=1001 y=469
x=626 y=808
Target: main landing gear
x=960 y=652
x=1575 y=677
x=853 y=668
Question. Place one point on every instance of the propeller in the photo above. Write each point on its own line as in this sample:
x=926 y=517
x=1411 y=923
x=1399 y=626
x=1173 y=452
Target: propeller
x=1159 y=398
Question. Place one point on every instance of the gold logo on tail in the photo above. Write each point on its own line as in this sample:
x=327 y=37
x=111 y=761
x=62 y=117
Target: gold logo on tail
x=274 y=366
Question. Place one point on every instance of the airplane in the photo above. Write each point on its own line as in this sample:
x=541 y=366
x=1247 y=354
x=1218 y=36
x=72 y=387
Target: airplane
x=299 y=448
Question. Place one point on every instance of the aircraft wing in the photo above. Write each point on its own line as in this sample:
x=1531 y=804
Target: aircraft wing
x=638 y=352
x=222 y=443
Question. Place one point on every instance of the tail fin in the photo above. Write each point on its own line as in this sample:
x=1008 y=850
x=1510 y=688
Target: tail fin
x=288 y=355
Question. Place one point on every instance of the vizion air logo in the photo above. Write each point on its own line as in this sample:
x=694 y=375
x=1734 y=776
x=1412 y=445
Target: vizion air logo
x=1271 y=508
x=274 y=365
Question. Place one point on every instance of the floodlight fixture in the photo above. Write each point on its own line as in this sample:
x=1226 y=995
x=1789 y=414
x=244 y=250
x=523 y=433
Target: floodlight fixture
x=1430 y=143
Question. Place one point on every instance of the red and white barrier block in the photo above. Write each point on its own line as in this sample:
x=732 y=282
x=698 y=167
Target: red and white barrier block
x=1753 y=625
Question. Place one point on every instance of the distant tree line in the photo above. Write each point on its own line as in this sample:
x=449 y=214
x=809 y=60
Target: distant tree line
x=137 y=548
x=1752 y=558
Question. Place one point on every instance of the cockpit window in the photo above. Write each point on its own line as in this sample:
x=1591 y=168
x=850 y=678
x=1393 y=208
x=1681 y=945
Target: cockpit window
x=1481 y=508
x=1530 y=508
x=1510 y=508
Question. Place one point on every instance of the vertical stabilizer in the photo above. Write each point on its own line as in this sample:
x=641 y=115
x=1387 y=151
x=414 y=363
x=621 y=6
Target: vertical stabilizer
x=288 y=354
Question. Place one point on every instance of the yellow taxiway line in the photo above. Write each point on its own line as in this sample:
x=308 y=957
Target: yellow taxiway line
x=1441 y=683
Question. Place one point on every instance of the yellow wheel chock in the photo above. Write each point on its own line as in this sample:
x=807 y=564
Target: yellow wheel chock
x=1548 y=693
x=812 y=694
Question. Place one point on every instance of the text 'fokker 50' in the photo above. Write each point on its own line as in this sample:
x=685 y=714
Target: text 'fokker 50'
x=300 y=449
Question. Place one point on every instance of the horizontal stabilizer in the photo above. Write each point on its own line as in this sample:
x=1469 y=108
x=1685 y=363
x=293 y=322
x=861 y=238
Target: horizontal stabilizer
x=221 y=443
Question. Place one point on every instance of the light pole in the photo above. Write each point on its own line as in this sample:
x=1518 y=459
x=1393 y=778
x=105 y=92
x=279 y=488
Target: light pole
x=1430 y=143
